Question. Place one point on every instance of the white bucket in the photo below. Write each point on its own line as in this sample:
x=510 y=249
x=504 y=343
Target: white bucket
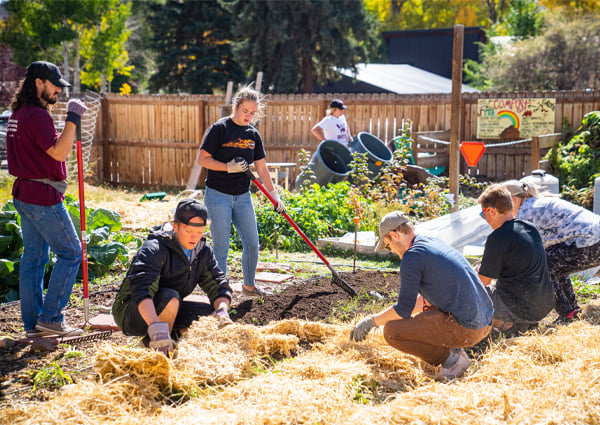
x=543 y=181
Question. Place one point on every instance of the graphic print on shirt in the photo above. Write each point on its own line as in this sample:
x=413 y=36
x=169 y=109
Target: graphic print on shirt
x=240 y=143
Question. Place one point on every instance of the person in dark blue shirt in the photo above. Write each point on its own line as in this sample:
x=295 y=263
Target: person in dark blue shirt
x=442 y=305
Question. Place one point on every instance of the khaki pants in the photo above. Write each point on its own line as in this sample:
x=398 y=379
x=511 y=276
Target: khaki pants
x=430 y=335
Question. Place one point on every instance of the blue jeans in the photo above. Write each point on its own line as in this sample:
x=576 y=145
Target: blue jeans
x=45 y=229
x=224 y=209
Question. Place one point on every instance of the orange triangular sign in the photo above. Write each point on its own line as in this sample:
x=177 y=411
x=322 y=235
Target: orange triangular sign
x=472 y=151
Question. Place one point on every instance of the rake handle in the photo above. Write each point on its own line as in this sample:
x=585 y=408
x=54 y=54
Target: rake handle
x=337 y=278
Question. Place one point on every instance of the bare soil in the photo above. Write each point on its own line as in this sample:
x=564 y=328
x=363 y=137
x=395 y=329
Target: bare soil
x=316 y=299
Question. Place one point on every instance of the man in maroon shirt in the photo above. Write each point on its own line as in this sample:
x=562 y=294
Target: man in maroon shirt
x=36 y=155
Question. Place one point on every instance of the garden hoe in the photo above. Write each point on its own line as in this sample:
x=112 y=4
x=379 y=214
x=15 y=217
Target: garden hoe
x=336 y=277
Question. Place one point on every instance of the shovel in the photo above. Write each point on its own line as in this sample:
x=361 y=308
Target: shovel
x=336 y=277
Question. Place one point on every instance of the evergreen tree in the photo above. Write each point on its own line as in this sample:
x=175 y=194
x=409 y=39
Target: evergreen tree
x=191 y=40
x=295 y=42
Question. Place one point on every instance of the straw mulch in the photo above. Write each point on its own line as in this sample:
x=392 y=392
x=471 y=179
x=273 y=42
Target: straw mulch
x=305 y=372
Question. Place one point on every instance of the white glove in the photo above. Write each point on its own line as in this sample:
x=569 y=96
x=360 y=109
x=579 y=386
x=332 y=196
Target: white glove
x=75 y=109
x=237 y=167
x=280 y=208
x=362 y=328
x=160 y=338
x=222 y=317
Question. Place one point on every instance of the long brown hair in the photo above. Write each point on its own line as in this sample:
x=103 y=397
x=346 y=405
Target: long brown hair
x=26 y=94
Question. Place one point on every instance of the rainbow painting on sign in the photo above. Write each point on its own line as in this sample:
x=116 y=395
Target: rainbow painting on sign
x=515 y=118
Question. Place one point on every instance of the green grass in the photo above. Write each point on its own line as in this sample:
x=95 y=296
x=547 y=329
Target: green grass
x=585 y=292
x=6 y=183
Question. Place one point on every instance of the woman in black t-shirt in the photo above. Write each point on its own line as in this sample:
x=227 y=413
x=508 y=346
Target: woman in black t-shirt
x=227 y=195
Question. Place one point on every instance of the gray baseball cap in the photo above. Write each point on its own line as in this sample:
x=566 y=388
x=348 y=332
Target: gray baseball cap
x=388 y=223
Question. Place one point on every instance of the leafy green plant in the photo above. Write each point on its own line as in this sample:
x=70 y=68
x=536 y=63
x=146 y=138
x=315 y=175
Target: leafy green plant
x=51 y=376
x=318 y=212
x=577 y=163
x=11 y=246
x=304 y=158
x=105 y=244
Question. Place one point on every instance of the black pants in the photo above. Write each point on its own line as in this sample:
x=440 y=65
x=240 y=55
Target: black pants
x=135 y=325
x=564 y=260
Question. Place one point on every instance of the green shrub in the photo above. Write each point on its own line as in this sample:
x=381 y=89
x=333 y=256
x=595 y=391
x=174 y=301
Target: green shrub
x=577 y=163
x=318 y=211
x=105 y=245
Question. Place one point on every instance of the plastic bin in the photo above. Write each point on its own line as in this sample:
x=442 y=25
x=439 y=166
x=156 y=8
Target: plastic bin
x=329 y=163
x=378 y=154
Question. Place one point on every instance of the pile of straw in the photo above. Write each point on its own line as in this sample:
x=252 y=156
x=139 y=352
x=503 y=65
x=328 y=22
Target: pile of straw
x=304 y=372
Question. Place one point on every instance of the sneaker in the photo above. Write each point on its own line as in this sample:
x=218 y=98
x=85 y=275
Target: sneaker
x=457 y=369
x=60 y=329
x=34 y=333
x=258 y=292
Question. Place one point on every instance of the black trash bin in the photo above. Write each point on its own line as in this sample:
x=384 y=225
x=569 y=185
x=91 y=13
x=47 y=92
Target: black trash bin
x=329 y=163
x=378 y=154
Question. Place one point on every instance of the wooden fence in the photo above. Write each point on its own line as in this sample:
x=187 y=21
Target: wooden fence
x=153 y=141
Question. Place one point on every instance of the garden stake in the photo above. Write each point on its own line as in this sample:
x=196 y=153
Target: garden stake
x=355 y=236
x=336 y=277
x=84 y=262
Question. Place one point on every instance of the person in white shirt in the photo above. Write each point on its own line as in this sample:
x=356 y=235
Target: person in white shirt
x=334 y=126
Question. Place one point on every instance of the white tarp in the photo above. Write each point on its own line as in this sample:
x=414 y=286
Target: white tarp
x=463 y=230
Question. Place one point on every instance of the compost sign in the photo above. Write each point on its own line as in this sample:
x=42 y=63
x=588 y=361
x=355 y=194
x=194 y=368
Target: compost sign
x=514 y=118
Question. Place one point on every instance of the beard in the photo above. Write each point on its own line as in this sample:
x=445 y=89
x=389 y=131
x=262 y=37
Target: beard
x=50 y=98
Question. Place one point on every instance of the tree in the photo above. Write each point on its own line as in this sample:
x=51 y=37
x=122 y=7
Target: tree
x=566 y=56
x=191 y=41
x=52 y=30
x=524 y=19
x=298 y=41
x=103 y=47
x=396 y=15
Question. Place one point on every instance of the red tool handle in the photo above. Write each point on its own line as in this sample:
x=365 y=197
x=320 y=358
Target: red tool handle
x=84 y=255
x=287 y=217
x=336 y=277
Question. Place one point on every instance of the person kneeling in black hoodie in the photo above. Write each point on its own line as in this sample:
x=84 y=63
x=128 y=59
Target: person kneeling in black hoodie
x=171 y=262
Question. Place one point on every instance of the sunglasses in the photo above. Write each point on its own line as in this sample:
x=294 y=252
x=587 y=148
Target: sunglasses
x=482 y=213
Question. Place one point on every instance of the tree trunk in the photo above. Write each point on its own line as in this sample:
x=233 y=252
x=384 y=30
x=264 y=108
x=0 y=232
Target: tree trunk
x=66 y=65
x=76 y=69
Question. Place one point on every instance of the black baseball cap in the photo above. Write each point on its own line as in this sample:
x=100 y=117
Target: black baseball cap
x=337 y=103
x=189 y=208
x=47 y=71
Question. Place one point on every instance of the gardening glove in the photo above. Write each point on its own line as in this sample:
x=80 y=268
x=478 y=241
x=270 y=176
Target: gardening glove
x=75 y=109
x=362 y=328
x=280 y=207
x=160 y=338
x=237 y=165
x=222 y=317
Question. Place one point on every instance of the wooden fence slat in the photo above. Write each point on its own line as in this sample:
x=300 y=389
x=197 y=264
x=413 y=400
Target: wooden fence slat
x=153 y=139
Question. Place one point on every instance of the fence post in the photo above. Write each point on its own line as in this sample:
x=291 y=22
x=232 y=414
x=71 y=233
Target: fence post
x=454 y=155
x=535 y=152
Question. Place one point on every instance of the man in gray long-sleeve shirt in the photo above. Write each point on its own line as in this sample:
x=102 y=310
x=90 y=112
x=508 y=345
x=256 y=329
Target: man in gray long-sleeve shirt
x=442 y=305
